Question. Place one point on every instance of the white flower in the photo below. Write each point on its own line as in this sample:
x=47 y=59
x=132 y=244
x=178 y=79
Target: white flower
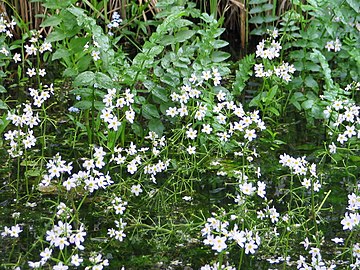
x=247 y=188
x=206 y=129
x=76 y=260
x=31 y=72
x=337 y=240
x=191 y=133
x=332 y=148
x=250 y=247
x=95 y=55
x=250 y=134
x=17 y=57
x=42 y=72
x=136 y=189
x=191 y=150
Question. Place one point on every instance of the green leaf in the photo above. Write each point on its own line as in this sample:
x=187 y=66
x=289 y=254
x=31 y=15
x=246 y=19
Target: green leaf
x=219 y=56
x=167 y=40
x=3 y=105
x=355 y=4
x=160 y=93
x=138 y=130
x=257 y=19
x=218 y=43
x=267 y=7
x=183 y=35
x=254 y=2
x=256 y=9
x=85 y=78
x=307 y=104
x=149 y=111
x=274 y=111
x=54 y=20
x=243 y=73
x=157 y=126
x=56 y=36
x=83 y=104
x=57 y=4
x=270 y=96
x=33 y=172
x=311 y=83
x=60 y=53
x=2 y=89
x=103 y=81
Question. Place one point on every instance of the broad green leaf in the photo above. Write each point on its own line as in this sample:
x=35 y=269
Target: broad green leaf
x=256 y=9
x=270 y=18
x=254 y=2
x=85 y=78
x=60 y=53
x=83 y=104
x=58 y=4
x=138 y=130
x=3 y=105
x=307 y=104
x=54 y=20
x=149 y=111
x=218 y=43
x=257 y=19
x=33 y=172
x=160 y=93
x=183 y=35
x=355 y=4
x=167 y=40
x=311 y=83
x=271 y=94
x=56 y=35
x=274 y=111
x=103 y=81
x=2 y=89
x=157 y=126
x=219 y=56
x=267 y=7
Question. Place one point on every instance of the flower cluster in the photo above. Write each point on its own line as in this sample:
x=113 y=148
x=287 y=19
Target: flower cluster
x=12 y=232
x=270 y=49
x=345 y=121
x=270 y=213
x=224 y=118
x=115 y=22
x=6 y=27
x=21 y=139
x=301 y=167
x=60 y=236
x=118 y=233
x=352 y=216
x=98 y=262
x=217 y=234
x=216 y=266
x=333 y=45
x=94 y=50
x=113 y=103
x=316 y=261
x=36 y=45
x=91 y=179
x=41 y=95
x=135 y=157
x=119 y=206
